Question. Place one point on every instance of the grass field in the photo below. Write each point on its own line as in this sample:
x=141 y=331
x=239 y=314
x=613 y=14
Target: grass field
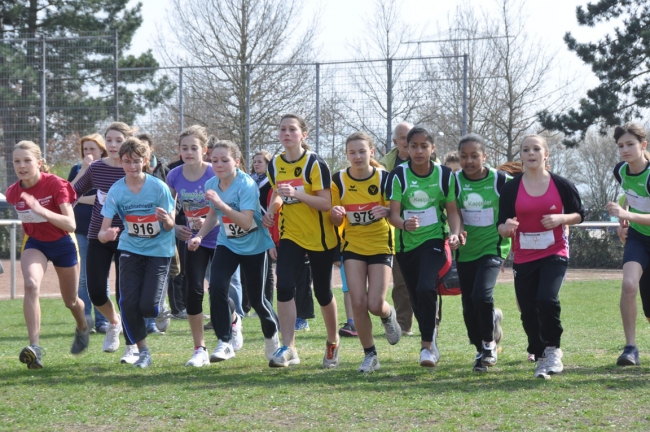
x=95 y=392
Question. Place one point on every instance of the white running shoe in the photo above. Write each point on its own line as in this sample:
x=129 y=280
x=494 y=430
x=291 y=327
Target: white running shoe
x=284 y=357
x=164 y=318
x=434 y=346
x=370 y=363
x=237 y=335
x=391 y=328
x=554 y=360
x=200 y=358
x=223 y=351
x=131 y=354
x=331 y=357
x=498 y=331
x=541 y=371
x=271 y=345
x=427 y=358
x=112 y=338
x=489 y=357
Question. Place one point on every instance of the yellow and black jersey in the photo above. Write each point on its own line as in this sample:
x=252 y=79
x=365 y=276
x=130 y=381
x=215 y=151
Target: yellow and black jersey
x=304 y=225
x=362 y=233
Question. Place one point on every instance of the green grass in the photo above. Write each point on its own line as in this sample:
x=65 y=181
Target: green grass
x=95 y=392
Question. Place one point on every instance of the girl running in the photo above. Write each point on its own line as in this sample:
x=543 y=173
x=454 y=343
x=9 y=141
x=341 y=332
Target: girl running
x=533 y=209
x=480 y=259
x=44 y=205
x=367 y=242
x=420 y=191
x=146 y=208
x=101 y=175
x=301 y=181
x=633 y=174
x=234 y=201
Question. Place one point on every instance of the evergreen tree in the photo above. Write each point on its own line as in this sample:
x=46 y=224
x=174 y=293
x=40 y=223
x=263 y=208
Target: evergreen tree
x=620 y=61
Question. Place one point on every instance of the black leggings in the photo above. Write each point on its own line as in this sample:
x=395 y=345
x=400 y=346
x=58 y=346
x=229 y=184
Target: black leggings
x=98 y=267
x=290 y=255
x=537 y=285
x=420 y=268
x=195 y=265
x=224 y=265
x=268 y=286
x=477 y=280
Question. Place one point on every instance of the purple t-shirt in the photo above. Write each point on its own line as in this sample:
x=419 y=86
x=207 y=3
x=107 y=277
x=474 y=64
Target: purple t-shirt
x=191 y=196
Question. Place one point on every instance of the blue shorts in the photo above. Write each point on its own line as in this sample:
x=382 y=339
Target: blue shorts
x=637 y=248
x=62 y=252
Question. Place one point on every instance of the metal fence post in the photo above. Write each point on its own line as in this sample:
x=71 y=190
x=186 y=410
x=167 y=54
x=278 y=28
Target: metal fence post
x=465 y=73
x=180 y=99
x=43 y=102
x=12 y=255
x=116 y=112
x=248 y=114
x=317 y=107
x=389 y=103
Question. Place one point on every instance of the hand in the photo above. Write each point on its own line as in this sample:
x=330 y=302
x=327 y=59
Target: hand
x=454 y=242
x=338 y=212
x=33 y=204
x=551 y=221
x=163 y=216
x=462 y=237
x=214 y=198
x=85 y=163
x=111 y=234
x=273 y=252
x=411 y=224
x=511 y=226
x=503 y=267
x=286 y=190
x=617 y=211
x=623 y=223
x=182 y=232
x=337 y=264
x=379 y=212
x=268 y=220
x=194 y=244
x=622 y=234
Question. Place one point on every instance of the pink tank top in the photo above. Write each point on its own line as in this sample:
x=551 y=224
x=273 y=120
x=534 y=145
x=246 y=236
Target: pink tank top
x=532 y=240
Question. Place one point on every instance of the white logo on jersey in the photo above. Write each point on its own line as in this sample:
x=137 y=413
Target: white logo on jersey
x=553 y=207
x=475 y=201
x=420 y=199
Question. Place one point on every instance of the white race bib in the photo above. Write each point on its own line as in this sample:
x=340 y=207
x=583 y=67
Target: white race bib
x=360 y=214
x=539 y=240
x=143 y=226
x=297 y=184
x=478 y=218
x=235 y=231
x=28 y=216
x=425 y=217
x=101 y=197
x=641 y=204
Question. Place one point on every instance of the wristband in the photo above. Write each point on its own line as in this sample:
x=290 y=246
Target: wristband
x=404 y=226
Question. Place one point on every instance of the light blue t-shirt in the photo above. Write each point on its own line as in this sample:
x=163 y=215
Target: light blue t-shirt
x=242 y=194
x=143 y=234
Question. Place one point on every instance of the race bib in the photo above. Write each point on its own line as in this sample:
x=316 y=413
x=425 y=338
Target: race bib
x=196 y=217
x=297 y=184
x=235 y=231
x=478 y=218
x=143 y=226
x=360 y=214
x=641 y=204
x=101 y=197
x=425 y=217
x=28 y=216
x=539 y=240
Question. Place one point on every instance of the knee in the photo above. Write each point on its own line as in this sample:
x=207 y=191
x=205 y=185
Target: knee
x=285 y=293
x=548 y=303
x=72 y=303
x=480 y=298
x=149 y=311
x=31 y=287
x=375 y=307
x=360 y=303
x=323 y=297
x=630 y=287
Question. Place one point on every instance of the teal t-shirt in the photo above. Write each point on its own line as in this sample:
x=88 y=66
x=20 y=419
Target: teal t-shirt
x=478 y=201
x=637 y=191
x=424 y=197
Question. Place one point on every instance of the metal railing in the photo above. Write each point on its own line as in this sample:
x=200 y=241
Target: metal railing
x=13 y=223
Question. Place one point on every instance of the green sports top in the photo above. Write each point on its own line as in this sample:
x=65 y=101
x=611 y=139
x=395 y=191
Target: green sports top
x=478 y=201
x=637 y=191
x=424 y=197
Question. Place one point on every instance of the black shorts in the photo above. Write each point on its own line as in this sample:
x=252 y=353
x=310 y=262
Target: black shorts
x=385 y=259
x=637 y=248
x=62 y=252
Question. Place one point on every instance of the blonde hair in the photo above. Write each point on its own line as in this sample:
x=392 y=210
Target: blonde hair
x=266 y=155
x=196 y=131
x=36 y=151
x=97 y=139
x=362 y=136
x=303 y=127
x=120 y=127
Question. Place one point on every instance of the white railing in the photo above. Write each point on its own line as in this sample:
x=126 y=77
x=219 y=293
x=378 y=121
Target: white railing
x=13 y=223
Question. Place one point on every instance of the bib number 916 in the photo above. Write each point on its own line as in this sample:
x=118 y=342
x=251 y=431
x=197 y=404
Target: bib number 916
x=143 y=229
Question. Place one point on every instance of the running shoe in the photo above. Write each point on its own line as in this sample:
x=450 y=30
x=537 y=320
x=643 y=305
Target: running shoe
x=32 y=356
x=144 y=359
x=164 y=319
x=427 y=358
x=434 y=346
x=223 y=351
x=489 y=357
x=331 y=357
x=531 y=358
x=82 y=337
x=348 y=330
x=301 y=324
x=237 y=335
x=370 y=363
x=182 y=315
x=131 y=354
x=553 y=360
x=283 y=357
x=540 y=370
x=630 y=357
x=498 y=331
x=103 y=329
x=200 y=358
x=478 y=363
x=152 y=328
x=271 y=345
x=112 y=338
x=391 y=328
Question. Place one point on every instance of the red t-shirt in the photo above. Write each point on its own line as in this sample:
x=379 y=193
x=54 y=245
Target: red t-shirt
x=51 y=191
x=532 y=240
